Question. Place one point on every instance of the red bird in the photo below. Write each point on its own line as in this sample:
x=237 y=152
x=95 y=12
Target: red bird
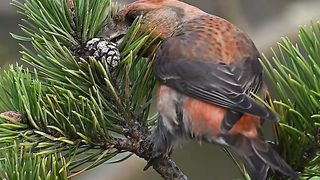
x=206 y=69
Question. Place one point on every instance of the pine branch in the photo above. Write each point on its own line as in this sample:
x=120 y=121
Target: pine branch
x=294 y=73
x=17 y=163
x=76 y=105
x=140 y=146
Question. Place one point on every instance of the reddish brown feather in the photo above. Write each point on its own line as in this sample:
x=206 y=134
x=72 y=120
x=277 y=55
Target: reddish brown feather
x=212 y=38
x=207 y=118
x=209 y=37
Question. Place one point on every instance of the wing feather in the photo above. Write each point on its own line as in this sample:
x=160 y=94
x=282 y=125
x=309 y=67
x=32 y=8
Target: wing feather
x=213 y=83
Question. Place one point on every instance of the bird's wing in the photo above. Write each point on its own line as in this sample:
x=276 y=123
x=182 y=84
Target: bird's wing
x=226 y=85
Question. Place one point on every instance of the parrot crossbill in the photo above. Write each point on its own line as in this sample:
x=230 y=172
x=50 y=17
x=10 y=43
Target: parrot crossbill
x=207 y=69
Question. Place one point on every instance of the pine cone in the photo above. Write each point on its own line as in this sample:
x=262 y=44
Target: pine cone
x=103 y=49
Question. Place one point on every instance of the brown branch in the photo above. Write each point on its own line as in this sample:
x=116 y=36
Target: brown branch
x=166 y=167
x=137 y=142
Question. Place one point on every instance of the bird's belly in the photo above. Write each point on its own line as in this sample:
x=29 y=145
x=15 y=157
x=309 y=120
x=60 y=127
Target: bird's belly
x=206 y=120
x=167 y=100
x=199 y=118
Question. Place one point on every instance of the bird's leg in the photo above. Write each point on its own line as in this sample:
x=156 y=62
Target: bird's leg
x=162 y=141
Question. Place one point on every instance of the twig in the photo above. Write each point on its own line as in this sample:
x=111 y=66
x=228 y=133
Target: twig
x=164 y=165
x=137 y=142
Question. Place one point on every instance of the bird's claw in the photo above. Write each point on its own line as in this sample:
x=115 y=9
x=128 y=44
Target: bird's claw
x=151 y=162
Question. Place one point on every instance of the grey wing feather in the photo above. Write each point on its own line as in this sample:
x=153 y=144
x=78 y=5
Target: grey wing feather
x=211 y=82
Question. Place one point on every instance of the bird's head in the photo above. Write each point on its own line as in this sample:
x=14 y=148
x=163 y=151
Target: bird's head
x=159 y=16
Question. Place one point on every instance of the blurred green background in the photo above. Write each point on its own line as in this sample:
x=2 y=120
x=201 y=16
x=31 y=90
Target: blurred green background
x=265 y=21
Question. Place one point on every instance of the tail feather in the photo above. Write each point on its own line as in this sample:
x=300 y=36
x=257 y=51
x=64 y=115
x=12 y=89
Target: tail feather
x=267 y=154
x=257 y=156
x=255 y=167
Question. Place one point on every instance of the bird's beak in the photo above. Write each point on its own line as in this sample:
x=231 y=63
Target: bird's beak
x=114 y=31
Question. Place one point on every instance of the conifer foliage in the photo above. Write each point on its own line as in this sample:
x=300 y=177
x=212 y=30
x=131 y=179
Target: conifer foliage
x=65 y=111
x=61 y=107
x=294 y=74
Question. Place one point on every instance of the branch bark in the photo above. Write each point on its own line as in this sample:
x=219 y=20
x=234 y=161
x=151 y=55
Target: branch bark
x=137 y=142
x=164 y=165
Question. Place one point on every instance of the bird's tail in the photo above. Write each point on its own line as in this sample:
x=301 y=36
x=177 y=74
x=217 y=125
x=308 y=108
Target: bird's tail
x=257 y=156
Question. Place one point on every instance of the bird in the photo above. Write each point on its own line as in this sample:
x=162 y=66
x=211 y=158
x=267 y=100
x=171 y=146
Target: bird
x=207 y=70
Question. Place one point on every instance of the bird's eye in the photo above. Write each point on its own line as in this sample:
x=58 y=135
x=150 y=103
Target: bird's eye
x=132 y=16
